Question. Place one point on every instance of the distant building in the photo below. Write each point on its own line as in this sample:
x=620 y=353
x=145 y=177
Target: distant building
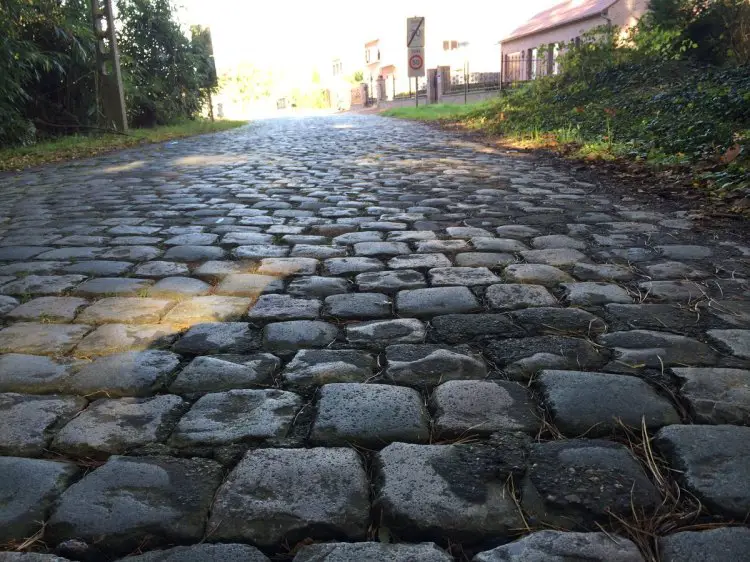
x=522 y=57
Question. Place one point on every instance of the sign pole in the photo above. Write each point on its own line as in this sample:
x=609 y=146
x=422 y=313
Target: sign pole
x=415 y=49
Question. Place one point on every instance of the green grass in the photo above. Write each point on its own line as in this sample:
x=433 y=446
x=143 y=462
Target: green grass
x=435 y=112
x=82 y=146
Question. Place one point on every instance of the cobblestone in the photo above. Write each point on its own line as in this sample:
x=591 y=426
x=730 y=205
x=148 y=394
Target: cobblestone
x=359 y=310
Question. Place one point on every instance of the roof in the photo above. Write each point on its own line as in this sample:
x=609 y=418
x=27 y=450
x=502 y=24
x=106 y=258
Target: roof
x=560 y=14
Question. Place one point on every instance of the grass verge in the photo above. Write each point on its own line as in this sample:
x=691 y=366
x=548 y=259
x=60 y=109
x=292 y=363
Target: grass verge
x=82 y=146
x=434 y=112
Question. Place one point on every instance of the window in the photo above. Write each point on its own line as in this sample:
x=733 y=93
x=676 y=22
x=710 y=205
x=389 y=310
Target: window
x=450 y=45
x=367 y=56
x=338 y=67
x=534 y=63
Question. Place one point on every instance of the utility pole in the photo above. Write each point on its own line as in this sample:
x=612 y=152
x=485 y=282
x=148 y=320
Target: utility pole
x=109 y=79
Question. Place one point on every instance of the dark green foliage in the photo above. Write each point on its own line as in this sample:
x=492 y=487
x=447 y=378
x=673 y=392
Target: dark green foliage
x=47 y=67
x=161 y=84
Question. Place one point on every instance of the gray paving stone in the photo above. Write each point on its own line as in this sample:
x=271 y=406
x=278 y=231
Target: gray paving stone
x=178 y=288
x=117 y=338
x=419 y=261
x=158 y=269
x=125 y=310
x=430 y=365
x=29 y=488
x=602 y=272
x=512 y=296
x=7 y=304
x=556 y=241
x=192 y=239
x=684 y=291
x=130 y=253
x=10 y=253
x=284 y=307
x=485 y=244
x=737 y=341
x=411 y=236
x=370 y=415
x=714 y=463
x=218 y=337
x=463 y=408
x=370 y=249
x=536 y=274
x=716 y=395
x=492 y=260
x=73 y=253
x=553 y=321
x=259 y=251
x=96 y=268
x=208 y=309
x=460 y=328
x=556 y=257
x=724 y=544
x=390 y=281
x=357 y=237
x=32 y=267
x=317 y=252
x=114 y=286
x=287 y=337
x=674 y=270
x=113 y=427
x=594 y=293
x=372 y=551
x=468 y=276
x=202 y=553
x=637 y=349
x=578 y=482
x=466 y=232
x=349 y=266
x=314 y=367
x=380 y=333
x=133 y=373
x=434 y=301
x=195 y=253
x=670 y=317
x=520 y=358
x=29 y=422
x=226 y=372
x=556 y=546
x=285 y=267
x=594 y=404
x=274 y=495
x=516 y=231
x=42 y=285
x=446 y=502
x=237 y=416
x=242 y=238
x=318 y=287
x=248 y=285
x=48 y=309
x=33 y=374
x=128 y=498
x=685 y=251
x=358 y=305
x=442 y=246
x=213 y=270
x=41 y=339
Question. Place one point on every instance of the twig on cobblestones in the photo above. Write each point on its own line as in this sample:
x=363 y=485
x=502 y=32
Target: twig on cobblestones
x=26 y=544
x=677 y=510
x=511 y=487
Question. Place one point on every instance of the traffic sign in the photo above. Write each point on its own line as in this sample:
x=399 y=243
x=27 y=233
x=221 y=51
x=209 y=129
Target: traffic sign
x=416 y=62
x=415 y=32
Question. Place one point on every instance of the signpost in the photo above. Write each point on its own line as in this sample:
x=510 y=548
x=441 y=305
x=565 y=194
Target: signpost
x=415 y=46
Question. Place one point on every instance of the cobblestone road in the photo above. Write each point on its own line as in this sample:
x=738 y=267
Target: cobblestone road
x=370 y=331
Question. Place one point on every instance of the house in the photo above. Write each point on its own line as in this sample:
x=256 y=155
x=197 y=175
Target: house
x=531 y=50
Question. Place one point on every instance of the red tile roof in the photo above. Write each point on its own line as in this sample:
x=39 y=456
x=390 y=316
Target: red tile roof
x=562 y=13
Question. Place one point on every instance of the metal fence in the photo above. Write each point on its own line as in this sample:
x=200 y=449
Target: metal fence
x=473 y=82
x=421 y=84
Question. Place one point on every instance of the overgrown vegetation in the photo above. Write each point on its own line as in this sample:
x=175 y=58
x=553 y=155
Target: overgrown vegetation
x=674 y=91
x=47 y=67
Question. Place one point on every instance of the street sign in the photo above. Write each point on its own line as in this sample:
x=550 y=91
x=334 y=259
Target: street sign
x=416 y=62
x=415 y=32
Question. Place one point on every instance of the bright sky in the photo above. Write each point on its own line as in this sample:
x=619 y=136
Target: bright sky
x=302 y=34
